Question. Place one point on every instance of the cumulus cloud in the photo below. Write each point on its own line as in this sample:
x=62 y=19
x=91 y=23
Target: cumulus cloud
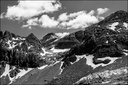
x=63 y=17
x=34 y=13
x=46 y=21
x=61 y=35
x=43 y=21
x=31 y=22
x=79 y=20
x=102 y=10
x=27 y=8
x=76 y=20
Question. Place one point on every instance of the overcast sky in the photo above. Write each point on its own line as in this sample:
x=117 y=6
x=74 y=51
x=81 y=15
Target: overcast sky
x=40 y=17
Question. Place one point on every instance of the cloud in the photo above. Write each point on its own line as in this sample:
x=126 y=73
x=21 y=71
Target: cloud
x=79 y=20
x=61 y=35
x=35 y=13
x=102 y=10
x=31 y=22
x=63 y=17
x=26 y=9
x=2 y=16
x=46 y=21
x=76 y=20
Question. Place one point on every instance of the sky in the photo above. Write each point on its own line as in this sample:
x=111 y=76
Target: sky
x=40 y=17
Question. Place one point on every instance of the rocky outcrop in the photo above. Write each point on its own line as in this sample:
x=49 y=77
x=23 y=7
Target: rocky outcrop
x=107 y=77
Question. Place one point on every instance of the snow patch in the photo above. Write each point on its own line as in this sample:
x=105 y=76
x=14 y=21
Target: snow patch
x=29 y=47
x=42 y=67
x=20 y=74
x=106 y=42
x=55 y=63
x=23 y=72
x=52 y=51
x=14 y=42
x=58 y=50
x=125 y=25
x=105 y=82
x=20 y=43
x=44 y=52
x=125 y=52
x=61 y=35
x=61 y=70
x=6 y=72
x=89 y=60
x=18 y=38
x=22 y=38
x=15 y=38
x=78 y=57
x=10 y=46
x=112 y=26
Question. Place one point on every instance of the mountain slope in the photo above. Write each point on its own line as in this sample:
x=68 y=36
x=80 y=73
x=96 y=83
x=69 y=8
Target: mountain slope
x=94 y=56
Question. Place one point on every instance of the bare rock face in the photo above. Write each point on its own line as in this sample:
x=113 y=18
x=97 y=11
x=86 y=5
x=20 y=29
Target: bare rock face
x=49 y=40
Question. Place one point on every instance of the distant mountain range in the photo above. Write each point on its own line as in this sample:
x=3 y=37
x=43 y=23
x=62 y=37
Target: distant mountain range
x=97 y=55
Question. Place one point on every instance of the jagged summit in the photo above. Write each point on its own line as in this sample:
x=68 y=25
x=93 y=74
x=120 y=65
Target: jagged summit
x=31 y=35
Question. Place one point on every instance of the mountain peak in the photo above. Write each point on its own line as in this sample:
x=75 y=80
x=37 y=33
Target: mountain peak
x=7 y=35
x=31 y=38
x=118 y=16
x=48 y=39
x=120 y=11
x=31 y=34
x=6 y=32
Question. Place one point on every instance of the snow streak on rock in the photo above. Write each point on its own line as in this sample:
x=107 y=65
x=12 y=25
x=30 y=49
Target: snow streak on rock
x=44 y=52
x=42 y=67
x=18 y=38
x=61 y=70
x=58 y=50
